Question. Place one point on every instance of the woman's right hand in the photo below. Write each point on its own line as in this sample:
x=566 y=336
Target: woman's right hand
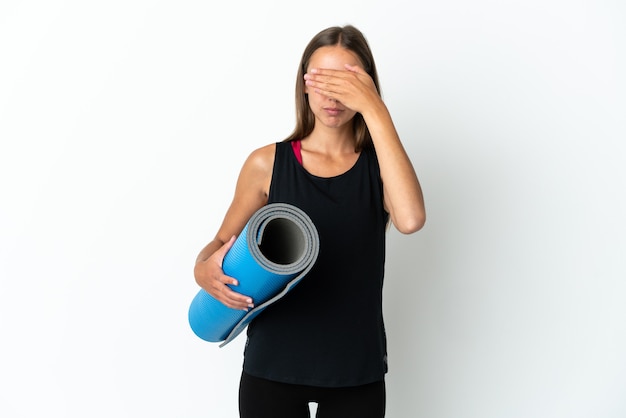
x=210 y=276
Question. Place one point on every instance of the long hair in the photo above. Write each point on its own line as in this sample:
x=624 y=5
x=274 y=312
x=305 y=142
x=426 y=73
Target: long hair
x=352 y=39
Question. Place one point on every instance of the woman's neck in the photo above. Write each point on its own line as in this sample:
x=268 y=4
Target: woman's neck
x=330 y=140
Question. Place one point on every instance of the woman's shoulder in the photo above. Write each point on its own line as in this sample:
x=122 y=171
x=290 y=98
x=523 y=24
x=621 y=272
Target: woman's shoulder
x=263 y=157
x=256 y=174
x=260 y=164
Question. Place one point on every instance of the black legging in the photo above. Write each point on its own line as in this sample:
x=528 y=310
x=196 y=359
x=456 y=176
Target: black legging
x=261 y=398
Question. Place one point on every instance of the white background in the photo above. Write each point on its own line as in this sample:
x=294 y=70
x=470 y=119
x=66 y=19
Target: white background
x=123 y=127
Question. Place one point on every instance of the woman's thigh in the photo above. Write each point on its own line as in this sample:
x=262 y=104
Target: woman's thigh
x=261 y=398
x=367 y=401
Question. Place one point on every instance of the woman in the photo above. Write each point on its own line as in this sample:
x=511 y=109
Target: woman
x=345 y=166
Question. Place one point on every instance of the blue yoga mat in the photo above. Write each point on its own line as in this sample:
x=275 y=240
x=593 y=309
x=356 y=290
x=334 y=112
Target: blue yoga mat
x=275 y=250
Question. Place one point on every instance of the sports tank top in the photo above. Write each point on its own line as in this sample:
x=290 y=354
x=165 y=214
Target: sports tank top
x=328 y=331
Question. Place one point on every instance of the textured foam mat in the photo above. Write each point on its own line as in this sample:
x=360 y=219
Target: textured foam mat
x=275 y=250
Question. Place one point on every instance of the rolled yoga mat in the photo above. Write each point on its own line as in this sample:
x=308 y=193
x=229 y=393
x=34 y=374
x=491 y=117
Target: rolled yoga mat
x=275 y=250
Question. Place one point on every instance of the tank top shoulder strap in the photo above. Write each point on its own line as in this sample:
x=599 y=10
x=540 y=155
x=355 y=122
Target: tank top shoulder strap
x=297 y=150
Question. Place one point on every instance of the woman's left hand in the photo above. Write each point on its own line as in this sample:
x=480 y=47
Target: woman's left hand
x=354 y=88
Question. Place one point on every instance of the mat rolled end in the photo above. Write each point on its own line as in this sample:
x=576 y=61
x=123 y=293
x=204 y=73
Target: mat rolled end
x=276 y=249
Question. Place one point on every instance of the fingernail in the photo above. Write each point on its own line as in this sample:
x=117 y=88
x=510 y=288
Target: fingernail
x=313 y=70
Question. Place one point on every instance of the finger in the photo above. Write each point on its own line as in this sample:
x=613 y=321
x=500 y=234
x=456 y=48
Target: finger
x=328 y=72
x=324 y=89
x=221 y=252
x=223 y=290
x=235 y=300
x=227 y=245
x=241 y=302
x=355 y=69
x=230 y=242
x=326 y=84
x=333 y=77
x=323 y=84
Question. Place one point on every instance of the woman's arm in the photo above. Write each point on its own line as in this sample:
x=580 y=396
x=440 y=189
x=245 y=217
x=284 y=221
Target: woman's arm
x=355 y=89
x=402 y=191
x=251 y=194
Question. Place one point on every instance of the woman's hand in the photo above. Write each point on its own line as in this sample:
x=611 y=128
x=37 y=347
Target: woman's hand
x=210 y=276
x=356 y=90
x=353 y=87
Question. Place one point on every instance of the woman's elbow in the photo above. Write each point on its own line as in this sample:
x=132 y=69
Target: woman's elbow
x=410 y=224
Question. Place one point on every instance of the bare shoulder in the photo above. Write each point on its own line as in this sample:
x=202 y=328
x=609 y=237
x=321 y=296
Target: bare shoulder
x=262 y=159
x=256 y=173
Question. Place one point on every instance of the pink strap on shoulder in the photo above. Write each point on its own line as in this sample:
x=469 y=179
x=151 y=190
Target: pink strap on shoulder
x=297 y=150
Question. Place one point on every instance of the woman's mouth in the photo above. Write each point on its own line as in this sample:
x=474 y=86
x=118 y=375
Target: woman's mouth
x=332 y=111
